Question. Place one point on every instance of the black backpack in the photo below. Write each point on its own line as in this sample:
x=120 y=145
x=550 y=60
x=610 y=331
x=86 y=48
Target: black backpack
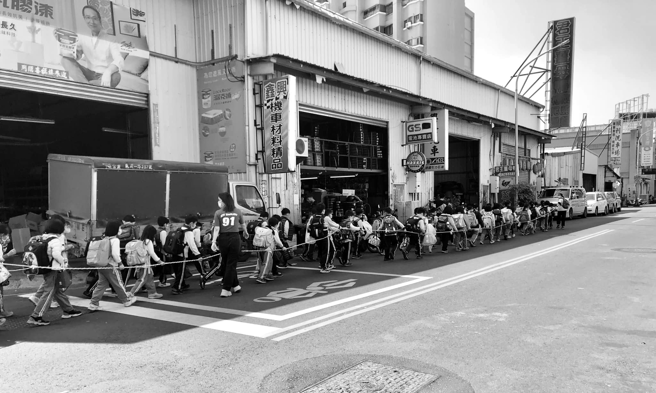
x=317 y=227
x=36 y=255
x=345 y=230
x=291 y=231
x=250 y=227
x=442 y=223
x=158 y=240
x=174 y=244
x=412 y=224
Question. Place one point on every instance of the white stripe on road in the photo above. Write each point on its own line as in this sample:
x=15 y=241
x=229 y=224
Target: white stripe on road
x=637 y=221
x=358 y=272
x=422 y=290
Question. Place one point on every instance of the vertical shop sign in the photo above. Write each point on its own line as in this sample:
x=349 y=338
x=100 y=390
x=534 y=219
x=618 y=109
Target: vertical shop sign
x=647 y=140
x=615 y=144
x=437 y=154
x=561 y=73
x=280 y=121
x=77 y=40
x=222 y=118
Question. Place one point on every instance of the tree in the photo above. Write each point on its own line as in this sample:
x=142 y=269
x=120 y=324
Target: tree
x=527 y=193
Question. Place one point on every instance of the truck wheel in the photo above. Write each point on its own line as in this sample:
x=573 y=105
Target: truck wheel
x=571 y=214
x=202 y=282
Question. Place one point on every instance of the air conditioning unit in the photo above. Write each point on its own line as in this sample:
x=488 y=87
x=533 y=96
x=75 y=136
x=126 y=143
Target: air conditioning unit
x=302 y=149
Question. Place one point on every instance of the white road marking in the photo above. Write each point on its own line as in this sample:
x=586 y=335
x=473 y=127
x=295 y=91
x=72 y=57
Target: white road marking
x=358 y=272
x=425 y=289
x=637 y=221
x=230 y=326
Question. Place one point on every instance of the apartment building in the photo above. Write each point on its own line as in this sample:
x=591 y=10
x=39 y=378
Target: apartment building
x=440 y=28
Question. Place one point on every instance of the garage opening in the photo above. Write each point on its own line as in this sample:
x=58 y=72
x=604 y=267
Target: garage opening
x=461 y=182
x=33 y=125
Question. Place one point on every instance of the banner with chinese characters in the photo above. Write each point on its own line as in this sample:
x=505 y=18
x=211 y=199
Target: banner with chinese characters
x=647 y=142
x=280 y=122
x=615 y=144
x=562 y=73
x=222 y=116
x=437 y=154
x=88 y=41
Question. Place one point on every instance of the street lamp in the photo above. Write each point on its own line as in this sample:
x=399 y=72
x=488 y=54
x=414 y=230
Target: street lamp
x=519 y=73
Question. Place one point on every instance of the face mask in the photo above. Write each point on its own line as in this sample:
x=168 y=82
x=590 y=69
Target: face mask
x=220 y=203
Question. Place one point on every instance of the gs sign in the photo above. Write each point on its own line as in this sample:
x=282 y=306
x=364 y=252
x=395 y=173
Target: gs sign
x=420 y=131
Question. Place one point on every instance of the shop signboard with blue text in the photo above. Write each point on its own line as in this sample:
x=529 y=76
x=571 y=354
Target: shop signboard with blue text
x=221 y=115
x=88 y=41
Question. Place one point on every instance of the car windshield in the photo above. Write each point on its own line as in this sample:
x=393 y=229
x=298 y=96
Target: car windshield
x=590 y=197
x=555 y=192
x=610 y=195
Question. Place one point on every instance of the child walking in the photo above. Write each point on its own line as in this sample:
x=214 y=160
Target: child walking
x=145 y=275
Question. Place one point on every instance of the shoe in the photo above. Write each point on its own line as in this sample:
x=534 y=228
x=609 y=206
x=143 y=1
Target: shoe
x=339 y=259
x=260 y=281
x=34 y=300
x=130 y=301
x=268 y=278
x=71 y=314
x=88 y=295
x=163 y=285
x=155 y=296
x=481 y=243
x=419 y=257
x=303 y=258
x=387 y=259
x=2 y=321
x=279 y=274
x=405 y=255
x=253 y=276
x=348 y=264
x=324 y=271
x=282 y=267
x=225 y=293
x=491 y=241
x=236 y=289
x=176 y=292
x=110 y=294
x=185 y=287
x=54 y=305
x=93 y=308
x=6 y=314
x=444 y=252
x=291 y=264
x=37 y=321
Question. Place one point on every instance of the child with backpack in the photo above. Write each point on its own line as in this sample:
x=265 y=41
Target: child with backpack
x=106 y=252
x=53 y=247
x=264 y=241
x=162 y=271
x=459 y=236
x=318 y=232
x=488 y=224
x=389 y=226
x=181 y=245
x=508 y=220
x=146 y=247
x=473 y=219
x=445 y=227
x=347 y=236
x=430 y=238
x=498 y=221
x=5 y=252
x=415 y=228
x=525 y=223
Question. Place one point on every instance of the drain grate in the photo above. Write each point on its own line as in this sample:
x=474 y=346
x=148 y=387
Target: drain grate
x=636 y=250
x=368 y=377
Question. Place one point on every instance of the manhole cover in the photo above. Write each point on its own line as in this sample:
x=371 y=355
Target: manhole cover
x=373 y=377
x=637 y=250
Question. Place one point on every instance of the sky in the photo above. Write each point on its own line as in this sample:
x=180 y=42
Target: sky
x=614 y=48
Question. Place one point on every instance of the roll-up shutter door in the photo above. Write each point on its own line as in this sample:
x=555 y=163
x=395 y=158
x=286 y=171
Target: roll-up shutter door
x=40 y=84
x=339 y=115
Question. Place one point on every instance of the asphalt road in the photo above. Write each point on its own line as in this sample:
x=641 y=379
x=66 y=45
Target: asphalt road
x=569 y=310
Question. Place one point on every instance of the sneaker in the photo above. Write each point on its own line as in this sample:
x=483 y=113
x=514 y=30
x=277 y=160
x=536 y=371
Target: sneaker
x=185 y=287
x=163 y=285
x=236 y=289
x=110 y=294
x=324 y=271
x=34 y=300
x=291 y=264
x=282 y=267
x=348 y=264
x=2 y=321
x=176 y=292
x=278 y=274
x=339 y=259
x=405 y=255
x=71 y=314
x=6 y=314
x=387 y=259
x=38 y=321
x=331 y=266
x=268 y=278
x=225 y=293
x=155 y=296
x=253 y=276
x=481 y=243
x=491 y=241
x=130 y=301
x=93 y=307
x=260 y=281
x=444 y=252
x=54 y=305
x=88 y=295
x=419 y=257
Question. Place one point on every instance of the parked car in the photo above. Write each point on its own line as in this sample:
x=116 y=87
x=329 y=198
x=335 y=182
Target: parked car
x=575 y=195
x=614 y=201
x=597 y=203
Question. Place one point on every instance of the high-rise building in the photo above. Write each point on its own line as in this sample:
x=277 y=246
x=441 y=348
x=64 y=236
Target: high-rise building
x=440 y=28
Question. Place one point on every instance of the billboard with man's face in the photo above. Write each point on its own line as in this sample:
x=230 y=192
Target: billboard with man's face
x=88 y=41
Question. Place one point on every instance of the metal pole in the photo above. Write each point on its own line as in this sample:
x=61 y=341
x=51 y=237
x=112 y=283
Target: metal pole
x=516 y=145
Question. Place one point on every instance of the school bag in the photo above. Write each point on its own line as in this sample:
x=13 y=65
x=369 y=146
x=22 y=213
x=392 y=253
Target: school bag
x=263 y=237
x=136 y=253
x=317 y=228
x=442 y=223
x=388 y=225
x=507 y=216
x=291 y=231
x=471 y=219
x=128 y=233
x=488 y=220
x=36 y=256
x=98 y=252
x=565 y=203
x=250 y=227
x=412 y=224
x=174 y=244
x=523 y=216
x=346 y=235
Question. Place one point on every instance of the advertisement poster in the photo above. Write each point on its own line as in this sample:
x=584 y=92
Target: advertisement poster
x=437 y=154
x=221 y=115
x=615 y=144
x=280 y=124
x=88 y=41
x=647 y=142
